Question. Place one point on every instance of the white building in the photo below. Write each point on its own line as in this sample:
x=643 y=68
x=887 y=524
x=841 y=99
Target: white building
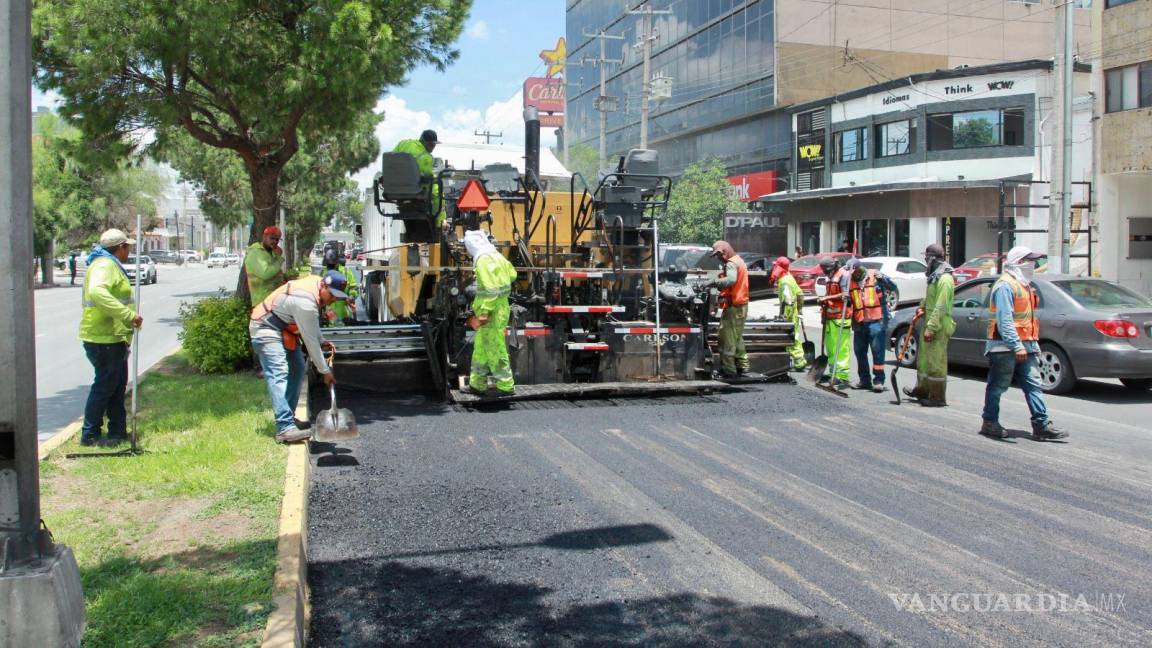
x=895 y=166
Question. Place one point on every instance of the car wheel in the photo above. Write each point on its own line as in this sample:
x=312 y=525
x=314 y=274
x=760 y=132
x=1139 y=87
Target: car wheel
x=910 y=355
x=1138 y=384
x=1056 y=373
x=893 y=300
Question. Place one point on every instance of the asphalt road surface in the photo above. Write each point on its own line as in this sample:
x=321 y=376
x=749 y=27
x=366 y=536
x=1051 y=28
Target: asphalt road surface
x=63 y=374
x=776 y=515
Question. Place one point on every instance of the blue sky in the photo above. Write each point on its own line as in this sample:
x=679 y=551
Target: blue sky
x=500 y=47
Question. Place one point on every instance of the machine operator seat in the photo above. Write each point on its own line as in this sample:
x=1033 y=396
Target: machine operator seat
x=626 y=195
x=400 y=183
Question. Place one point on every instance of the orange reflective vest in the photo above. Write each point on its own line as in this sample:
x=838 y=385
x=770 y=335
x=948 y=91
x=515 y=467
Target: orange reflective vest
x=836 y=309
x=289 y=332
x=1024 y=303
x=866 y=305
x=737 y=293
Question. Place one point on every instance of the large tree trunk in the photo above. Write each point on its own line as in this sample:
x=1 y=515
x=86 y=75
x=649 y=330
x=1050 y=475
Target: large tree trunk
x=265 y=183
x=48 y=265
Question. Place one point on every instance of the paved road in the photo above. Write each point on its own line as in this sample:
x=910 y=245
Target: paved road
x=63 y=374
x=777 y=514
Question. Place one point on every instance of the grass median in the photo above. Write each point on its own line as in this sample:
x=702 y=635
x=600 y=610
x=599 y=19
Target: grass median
x=176 y=546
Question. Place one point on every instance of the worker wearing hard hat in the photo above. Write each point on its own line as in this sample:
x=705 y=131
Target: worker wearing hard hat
x=106 y=324
x=341 y=310
x=494 y=277
x=421 y=149
x=791 y=302
x=733 y=285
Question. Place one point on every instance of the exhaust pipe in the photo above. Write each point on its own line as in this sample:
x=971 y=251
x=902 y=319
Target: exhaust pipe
x=532 y=147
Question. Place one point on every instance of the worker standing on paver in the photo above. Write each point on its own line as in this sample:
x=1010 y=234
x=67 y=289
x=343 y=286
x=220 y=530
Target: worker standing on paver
x=288 y=317
x=733 y=285
x=837 y=317
x=791 y=304
x=869 y=290
x=264 y=265
x=935 y=312
x=106 y=324
x=421 y=149
x=341 y=311
x=1013 y=347
x=490 y=308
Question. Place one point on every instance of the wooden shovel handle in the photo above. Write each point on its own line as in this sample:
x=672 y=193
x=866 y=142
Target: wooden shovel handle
x=907 y=339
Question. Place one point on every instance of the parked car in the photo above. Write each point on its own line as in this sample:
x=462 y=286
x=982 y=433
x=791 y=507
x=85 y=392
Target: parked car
x=165 y=257
x=806 y=270
x=191 y=256
x=217 y=260
x=908 y=275
x=985 y=266
x=142 y=265
x=1089 y=328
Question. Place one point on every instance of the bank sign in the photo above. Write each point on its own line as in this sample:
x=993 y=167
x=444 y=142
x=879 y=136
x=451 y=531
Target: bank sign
x=750 y=186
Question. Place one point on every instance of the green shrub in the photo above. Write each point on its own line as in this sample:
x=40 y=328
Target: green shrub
x=215 y=334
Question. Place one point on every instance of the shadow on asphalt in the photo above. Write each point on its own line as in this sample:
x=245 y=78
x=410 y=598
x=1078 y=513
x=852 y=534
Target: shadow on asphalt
x=373 y=602
x=582 y=540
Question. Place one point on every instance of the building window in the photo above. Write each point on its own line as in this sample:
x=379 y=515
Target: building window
x=901 y=232
x=896 y=138
x=1129 y=87
x=976 y=128
x=852 y=145
x=1108 y=4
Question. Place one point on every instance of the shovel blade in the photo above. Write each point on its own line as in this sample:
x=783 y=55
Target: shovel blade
x=895 y=385
x=335 y=426
x=819 y=366
x=809 y=351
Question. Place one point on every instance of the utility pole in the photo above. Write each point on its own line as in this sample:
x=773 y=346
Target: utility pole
x=604 y=103
x=41 y=601
x=1067 y=93
x=645 y=40
x=487 y=135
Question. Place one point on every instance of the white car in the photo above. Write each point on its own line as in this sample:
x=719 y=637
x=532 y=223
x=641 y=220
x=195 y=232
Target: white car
x=144 y=266
x=217 y=260
x=234 y=259
x=190 y=256
x=908 y=275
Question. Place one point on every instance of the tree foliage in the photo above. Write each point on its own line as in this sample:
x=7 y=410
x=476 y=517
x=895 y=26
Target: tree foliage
x=696 y=208
x=582 y=159
x=249 y=77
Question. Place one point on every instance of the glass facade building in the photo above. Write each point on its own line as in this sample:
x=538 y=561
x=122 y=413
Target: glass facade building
x=721 y=59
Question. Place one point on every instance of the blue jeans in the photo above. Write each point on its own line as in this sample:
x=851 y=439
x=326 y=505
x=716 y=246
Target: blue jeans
x=283 y=373
x=107 y=393
x=1002 y=370
x=865 y=336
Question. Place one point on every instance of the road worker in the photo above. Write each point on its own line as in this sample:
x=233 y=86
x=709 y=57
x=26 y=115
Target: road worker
x=1013 y=347
x=733 y=285
x=288 y=317
x=935 y=311
x=490 y=308
x=837 y=317
x=264 y=265
x=106 y=324
x=421 y=149
x=791 y=304
x=869 y=290
x=340 y=312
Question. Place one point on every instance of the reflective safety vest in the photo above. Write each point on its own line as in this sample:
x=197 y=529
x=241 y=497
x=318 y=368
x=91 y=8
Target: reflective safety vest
x=836 y=309
x=289 y=332
x=737 y=293
x=1024 y=303
x=866 y=303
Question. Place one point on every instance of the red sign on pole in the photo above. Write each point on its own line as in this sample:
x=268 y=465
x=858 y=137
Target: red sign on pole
x=473 y=198
x=546 y=95
x=750 y=186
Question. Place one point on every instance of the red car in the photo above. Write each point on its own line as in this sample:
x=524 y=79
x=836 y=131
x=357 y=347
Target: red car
x=806 y=270
x=985 y=266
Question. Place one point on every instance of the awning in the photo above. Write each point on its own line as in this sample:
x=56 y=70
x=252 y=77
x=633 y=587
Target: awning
x=917 y=184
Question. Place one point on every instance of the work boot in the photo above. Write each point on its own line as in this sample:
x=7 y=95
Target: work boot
x=293 y=435
x=303 y=425
x=879 y=388
x=112 y=441
x=913 y=393
x=1048 y=432
x=862 y=386
x=842 y=386
x=931 y=402
x=994 y=430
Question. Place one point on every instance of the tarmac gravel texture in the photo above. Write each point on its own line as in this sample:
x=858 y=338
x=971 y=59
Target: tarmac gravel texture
x=778 y=515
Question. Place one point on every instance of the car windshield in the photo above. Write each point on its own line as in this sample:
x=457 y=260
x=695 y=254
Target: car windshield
x=684 y=259
x=872 y=265
x=1102 y=294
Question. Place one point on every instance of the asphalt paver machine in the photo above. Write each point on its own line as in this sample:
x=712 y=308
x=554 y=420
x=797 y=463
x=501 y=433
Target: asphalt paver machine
x=592 y=312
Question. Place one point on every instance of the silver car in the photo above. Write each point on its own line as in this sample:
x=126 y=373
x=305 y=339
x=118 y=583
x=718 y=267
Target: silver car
x=1089 y=328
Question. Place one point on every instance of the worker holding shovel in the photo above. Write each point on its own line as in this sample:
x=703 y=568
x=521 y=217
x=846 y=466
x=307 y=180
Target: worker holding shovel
x=837 y=312
x=936 y=310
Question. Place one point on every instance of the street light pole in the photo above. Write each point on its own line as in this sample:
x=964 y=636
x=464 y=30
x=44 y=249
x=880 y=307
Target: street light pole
x=645 y=43
x=1066 y=132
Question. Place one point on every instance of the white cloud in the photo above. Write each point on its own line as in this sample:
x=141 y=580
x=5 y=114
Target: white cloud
x=453 y=126
x=479 y=31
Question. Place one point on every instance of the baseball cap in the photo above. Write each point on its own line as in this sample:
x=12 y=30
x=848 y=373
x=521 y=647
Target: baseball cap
x=336 y=284
x=429 y=136
x=272 y=230
x=1019 y=254
x=934 y=250
x=783 y=262
x=113 y=237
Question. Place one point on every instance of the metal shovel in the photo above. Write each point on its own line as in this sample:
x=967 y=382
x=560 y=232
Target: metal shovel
x=335 y=424
x=900 y=357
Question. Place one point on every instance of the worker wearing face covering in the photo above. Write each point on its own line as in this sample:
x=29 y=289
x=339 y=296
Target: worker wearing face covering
x=791 y=303
x=1013 y=347
x=836 y=315
x=936 y=312
x=494 y=277
x=733 y=285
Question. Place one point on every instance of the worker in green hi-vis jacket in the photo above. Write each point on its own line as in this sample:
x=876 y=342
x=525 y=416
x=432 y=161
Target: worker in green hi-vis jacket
x=494 y=277
x=421 y=149
x=936 y=311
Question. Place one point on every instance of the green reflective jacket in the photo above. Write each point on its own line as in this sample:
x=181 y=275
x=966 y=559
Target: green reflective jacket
x=108 y=308
x=494 y=277
x=790 y=296
x=937 y=306
x=264 y=272
x=341 y=308
x=427 y=164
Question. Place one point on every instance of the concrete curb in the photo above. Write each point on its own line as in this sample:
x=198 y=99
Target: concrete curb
x=52 y=443
x=288 y=624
